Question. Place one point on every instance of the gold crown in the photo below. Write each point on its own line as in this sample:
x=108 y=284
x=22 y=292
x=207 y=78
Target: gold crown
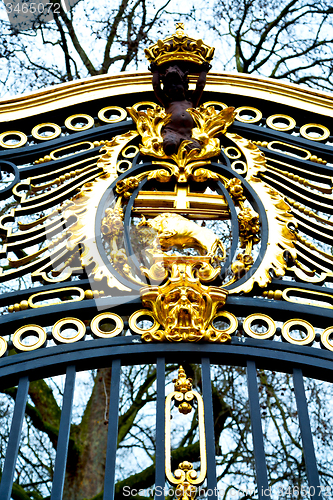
x=179 y=47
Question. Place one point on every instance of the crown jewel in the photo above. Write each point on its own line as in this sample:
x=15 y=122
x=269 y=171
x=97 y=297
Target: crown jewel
x=179 y=47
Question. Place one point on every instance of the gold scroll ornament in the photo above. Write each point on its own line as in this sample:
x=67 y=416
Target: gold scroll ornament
x=209 y=124
x=185 y=478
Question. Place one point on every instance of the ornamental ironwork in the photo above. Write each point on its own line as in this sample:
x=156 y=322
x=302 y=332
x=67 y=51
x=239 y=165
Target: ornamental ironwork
x=200 y=222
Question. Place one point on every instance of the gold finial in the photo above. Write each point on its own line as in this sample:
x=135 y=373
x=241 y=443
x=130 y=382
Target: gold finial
x=180 y=26
x=183 y=395
x=182 y=383
x=186 y=466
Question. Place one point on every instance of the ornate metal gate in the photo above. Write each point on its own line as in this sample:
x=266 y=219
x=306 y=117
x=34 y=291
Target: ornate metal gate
x=115 y=254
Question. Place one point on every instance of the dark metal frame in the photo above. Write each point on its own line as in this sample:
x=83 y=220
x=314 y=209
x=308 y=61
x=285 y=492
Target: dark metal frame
x=115 y=352
x=119 y=351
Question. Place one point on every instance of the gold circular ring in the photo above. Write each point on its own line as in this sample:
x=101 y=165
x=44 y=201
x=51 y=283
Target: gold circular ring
x=229 y=150
x=122 y=170
x=304 y=132
x=122 y=114
x=144 y=104
x=89 y=119
x=130 y=155
x=133 y=322
x=325 y=338
x=310 y=336
x=24 y=331
x=233 y=322
x=59 y=326
x=11 y=136
x=248 y=322
x=238 y=170
x=36 y=131
x=96 y=330
x=3 y=346
x=284 y=118
x=257 y=114
x=214 y=103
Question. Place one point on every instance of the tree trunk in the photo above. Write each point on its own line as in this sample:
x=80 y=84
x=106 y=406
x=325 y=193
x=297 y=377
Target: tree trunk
x=85 y=470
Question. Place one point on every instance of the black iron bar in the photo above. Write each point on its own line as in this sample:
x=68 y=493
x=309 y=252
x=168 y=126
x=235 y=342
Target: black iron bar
x=14 y=439
x=110 y=464
x=257 y=434
x=209 y=429
x=90 y=355
x=63 y=436
x=160 y=430
x=306 y=434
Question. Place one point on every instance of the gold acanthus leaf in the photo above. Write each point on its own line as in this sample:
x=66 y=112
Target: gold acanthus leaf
x=209 y=124
x=149 y=125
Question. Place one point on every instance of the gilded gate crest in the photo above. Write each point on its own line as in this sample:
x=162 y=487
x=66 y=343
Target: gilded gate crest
x=180 y=206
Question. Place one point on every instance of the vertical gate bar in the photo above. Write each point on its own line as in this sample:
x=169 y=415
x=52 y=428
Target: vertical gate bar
x=63 y=436
x=306 y=434
x=209 y=427
x=160 y=428
x=257 y=434
x=111 y=450
x=14 y=439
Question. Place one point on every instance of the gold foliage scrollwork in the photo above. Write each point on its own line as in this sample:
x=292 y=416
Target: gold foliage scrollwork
x=125 y=187
x=149 y=125
x=112 y=223
x=280 y=237
x=242 y=264
x=209 y=124
x=121 y=264
x=236 y=190
x=112 y=228
x=249 y=226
